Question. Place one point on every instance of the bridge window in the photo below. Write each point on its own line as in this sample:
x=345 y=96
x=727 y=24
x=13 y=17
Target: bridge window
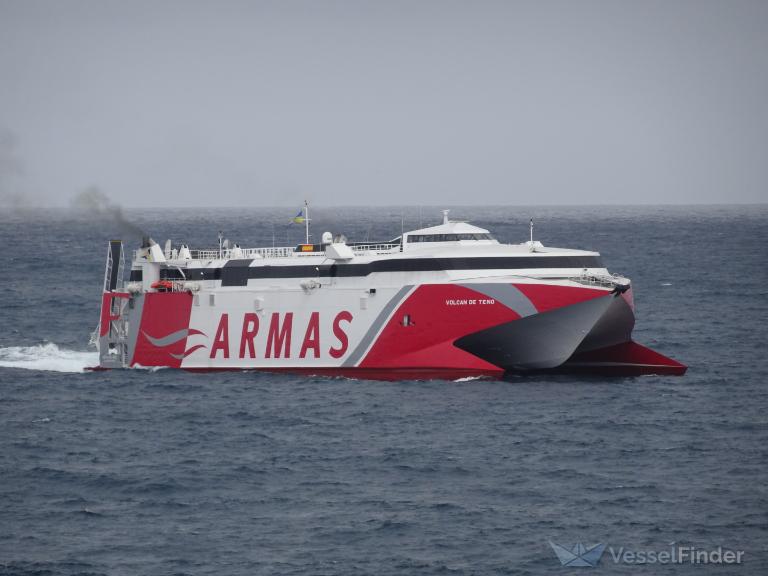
x=447 y=237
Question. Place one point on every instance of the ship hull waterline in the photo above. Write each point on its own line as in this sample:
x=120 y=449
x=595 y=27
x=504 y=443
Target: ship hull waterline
x=436 y=331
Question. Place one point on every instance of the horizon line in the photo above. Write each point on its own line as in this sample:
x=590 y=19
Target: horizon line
x=31 y=207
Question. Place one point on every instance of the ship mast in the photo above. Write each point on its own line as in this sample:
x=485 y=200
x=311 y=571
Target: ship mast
x=306 y=221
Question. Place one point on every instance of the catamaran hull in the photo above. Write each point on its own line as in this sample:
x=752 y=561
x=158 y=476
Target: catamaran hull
x=446 y=330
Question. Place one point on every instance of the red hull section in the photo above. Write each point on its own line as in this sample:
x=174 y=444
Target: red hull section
x=546 y=298
x=163 y=314
x=625 y=359
x=426 y=340
x=385 y=375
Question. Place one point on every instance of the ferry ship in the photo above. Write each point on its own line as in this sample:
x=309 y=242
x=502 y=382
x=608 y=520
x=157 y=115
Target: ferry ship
x=446 y=301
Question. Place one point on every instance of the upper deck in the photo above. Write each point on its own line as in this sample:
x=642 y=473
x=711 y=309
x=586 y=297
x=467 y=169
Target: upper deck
x=451 y=250
x=451 y=239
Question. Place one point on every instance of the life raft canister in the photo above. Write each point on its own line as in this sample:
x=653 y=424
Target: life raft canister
x=163 y=285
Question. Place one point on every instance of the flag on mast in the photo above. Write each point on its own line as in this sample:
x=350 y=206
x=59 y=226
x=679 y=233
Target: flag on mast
x=299 y=218
x=302 y=218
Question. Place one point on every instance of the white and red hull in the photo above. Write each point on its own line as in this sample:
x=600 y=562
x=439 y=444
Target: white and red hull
x=425 y=330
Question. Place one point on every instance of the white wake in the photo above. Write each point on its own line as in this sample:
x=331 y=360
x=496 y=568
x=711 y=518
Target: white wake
x=47 y=357
x=469 y=378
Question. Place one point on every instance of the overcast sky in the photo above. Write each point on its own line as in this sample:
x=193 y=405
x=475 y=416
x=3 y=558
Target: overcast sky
x=389 y=102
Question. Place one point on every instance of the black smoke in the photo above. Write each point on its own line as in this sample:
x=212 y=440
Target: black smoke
x=94 y=203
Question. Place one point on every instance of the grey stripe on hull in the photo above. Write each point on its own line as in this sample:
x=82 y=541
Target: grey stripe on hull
x=167 y=340
x=358 y=352
x=134 y=323
x=614 y=327
x=541 y=341
x=507 y=294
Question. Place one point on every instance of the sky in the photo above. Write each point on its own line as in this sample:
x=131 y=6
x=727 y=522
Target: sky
x=418 y=102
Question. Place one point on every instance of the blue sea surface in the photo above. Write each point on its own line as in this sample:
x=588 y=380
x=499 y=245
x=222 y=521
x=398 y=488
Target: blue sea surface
x=167 y=472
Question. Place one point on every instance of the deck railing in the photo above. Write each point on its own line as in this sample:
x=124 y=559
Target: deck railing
x=602 y=280
x=361 y=249
x=276 y=252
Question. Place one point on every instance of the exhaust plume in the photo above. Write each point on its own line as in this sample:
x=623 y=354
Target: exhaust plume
x=95 y=203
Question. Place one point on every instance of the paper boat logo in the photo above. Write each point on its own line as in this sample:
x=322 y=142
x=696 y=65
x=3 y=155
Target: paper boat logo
x=579 y=554
x=175 y=337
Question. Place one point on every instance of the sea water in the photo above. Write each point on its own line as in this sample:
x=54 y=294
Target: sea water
x=167 y=472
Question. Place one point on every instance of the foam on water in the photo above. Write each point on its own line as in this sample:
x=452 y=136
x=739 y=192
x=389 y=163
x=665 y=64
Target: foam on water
x=468 y=378
x=48 y=357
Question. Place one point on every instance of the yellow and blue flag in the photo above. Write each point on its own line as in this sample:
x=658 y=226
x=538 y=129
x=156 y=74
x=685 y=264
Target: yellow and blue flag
x=299 y=218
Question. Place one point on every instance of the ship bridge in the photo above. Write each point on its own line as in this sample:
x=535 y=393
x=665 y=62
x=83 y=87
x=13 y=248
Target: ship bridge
x=448 y=233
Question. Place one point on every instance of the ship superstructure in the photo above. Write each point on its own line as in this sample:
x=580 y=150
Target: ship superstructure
x=448 y=300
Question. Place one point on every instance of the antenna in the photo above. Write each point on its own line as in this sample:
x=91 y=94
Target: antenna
x=531 y=245
x=221 y=240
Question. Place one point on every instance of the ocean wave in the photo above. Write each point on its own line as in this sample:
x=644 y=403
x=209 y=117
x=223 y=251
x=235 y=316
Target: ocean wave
x=468 y=379
x=48 y=357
